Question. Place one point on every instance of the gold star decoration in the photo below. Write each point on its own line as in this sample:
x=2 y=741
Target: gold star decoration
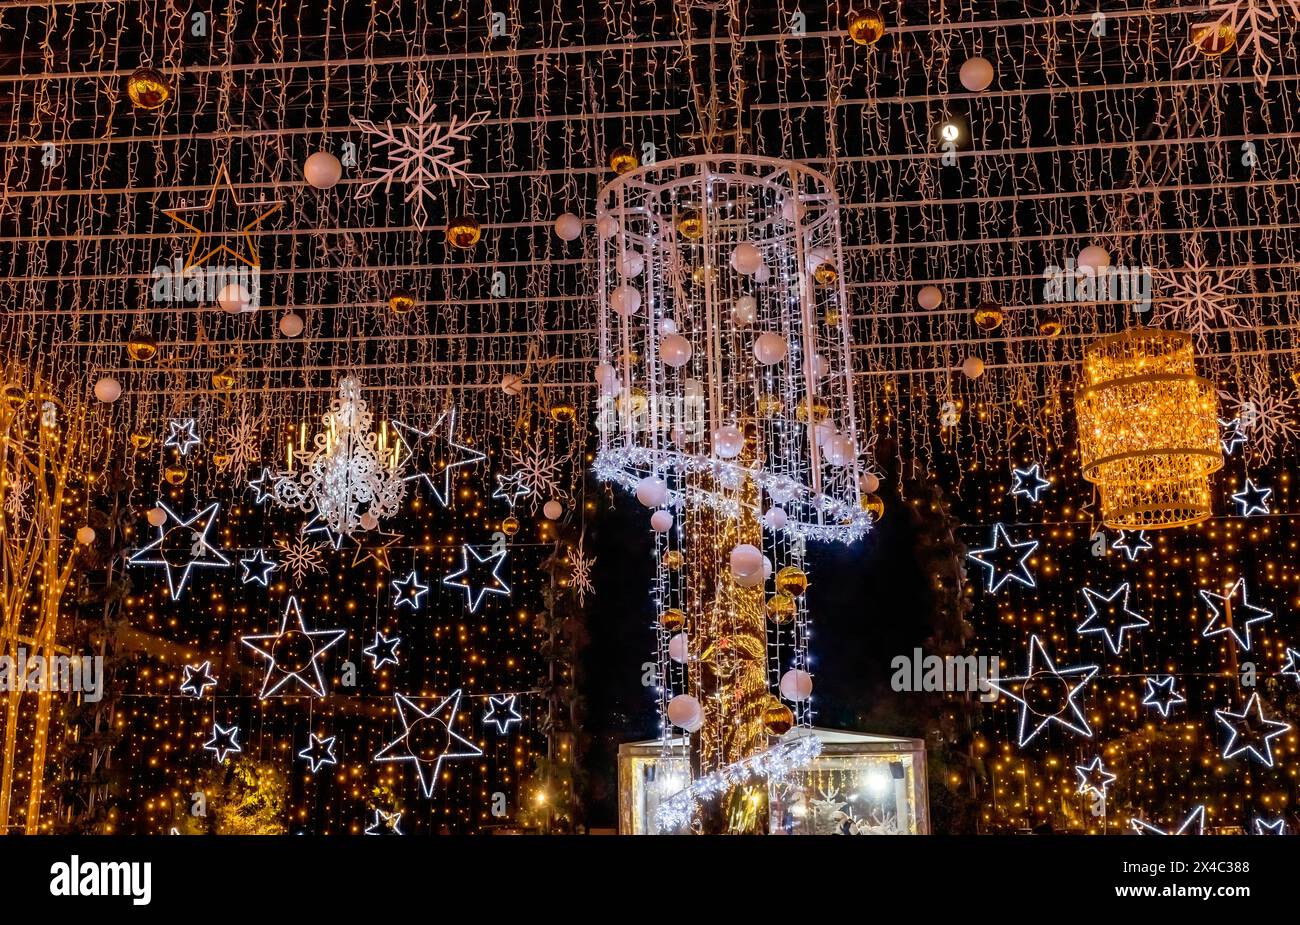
x=251 y=259
x=378 y=553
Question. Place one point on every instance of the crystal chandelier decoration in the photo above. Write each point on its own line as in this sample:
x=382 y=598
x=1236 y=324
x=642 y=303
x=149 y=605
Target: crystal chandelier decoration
x=726 y=405
x=349 y=478
x=1148 y=429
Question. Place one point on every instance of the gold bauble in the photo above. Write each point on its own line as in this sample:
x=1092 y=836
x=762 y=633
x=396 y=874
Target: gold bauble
x=563 y=414
x=148 y=88
x=223 y=380
x=510 y=526
x=820 y=411
x=672 y=620
x=15 y=395
x=222 y=460
x=141 y=347
x=792 y=580
x=867 y=27
x=701 y=275
x=825 y=274
x=463 y=232
x=622 y=160
x=1295 y=377
x=690 y=225
x=674 y=559
x=140 y=440
x=1050 y=329
x=401 y=301
x=781 y=608
x=988 y=317
x=832 y=318
x=778 y=719
x=175 y=475
x=1214 y=39
x=873 y=506
x=769 y=406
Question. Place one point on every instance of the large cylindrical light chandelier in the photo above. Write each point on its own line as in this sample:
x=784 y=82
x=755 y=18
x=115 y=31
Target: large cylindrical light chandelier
x=1148 y=429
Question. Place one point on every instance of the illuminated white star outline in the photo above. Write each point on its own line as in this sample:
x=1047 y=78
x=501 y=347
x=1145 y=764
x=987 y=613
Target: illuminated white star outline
x=1029 y=483
x=1083 y=673
x=1216 y=615
x=1021 y=574
x=208 y=516
x=1279 y=728
x=1086 y=771
x=1253 y=499
x=313 y=757
x=383 y=651
x=317 y=526
x=1164 y=703
x=1132 y=547
x=1276 y=827
x=408 y=591
x=472 y=599
x=183 y=435
x=264 y=645
x=390 y=821
x=393 y=750
x=258 y=568
x=264 y=485
x=1196 y=817
x=224 y=741
x=504 y=704
x=1292 y=666
x=511 y=488
x=200 y=673
x=1094 y=598
x=410 y=437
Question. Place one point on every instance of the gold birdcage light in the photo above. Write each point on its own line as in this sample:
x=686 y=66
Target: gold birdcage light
x=1148 y=429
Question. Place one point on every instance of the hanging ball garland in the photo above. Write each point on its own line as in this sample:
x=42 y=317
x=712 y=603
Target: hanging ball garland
x=141 y=347
x=401 y=301
x=108 y=389
x=622 y=160
x=463 y=232
x=866 y=27
x=976 y=74
x=322 y=170
x=148 y=88
x=568 y=227
x=291 y=324
x=988 y=317
x=929 y=297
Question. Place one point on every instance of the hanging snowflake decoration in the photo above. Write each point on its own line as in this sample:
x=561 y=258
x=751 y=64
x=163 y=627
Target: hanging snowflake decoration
x=300 y=558
x=1267 y=416
x=16 y=497
x=537 y=471
x=1255 y=28
x=242 y=443
x=1199 y=297
x=580 y=573
x=344 y=479
x=421 y=154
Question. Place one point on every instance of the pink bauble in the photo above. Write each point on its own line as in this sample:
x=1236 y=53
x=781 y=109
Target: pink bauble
x=631 y=263
x=929 y=297
x=651 y=491
x=675 y=350
x=606 y=377
x=746 y=259
x=625 y=300
x=728 y=441
x=512 y=384
x=746 y=562
x=85 y=535
x=322 y=170
x=776 y=518
x=607 y=226
x=869 y=483
x=684 y=711
x=976 y=74
x=369 y=521
x=156 y=517
x=552 y=510
x=291 y=324
x=972 y=367
x=108 y=390
x=762 y=274
x=661 y=521
x=679 y=648
x=770 y=348
x=1093 y=257
x=796 y=685
x=233 y=298
x=745 y=311
x=568 y=227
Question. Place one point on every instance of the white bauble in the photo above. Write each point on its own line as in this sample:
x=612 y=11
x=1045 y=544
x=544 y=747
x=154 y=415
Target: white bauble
x=792 y=209
x=976 y=74
x=840 y=451
x=322 y=170
x=728 y=441
x=233 y=298
x=568 y=227
x=762 y=274
x=651 y=491
x=1094 y=257
x=929 y=297
x=291 y=324
x=767 y=568
x=770 y=348
x=607 y=378
x=746 y=258
x=684 y=711
x=625 y=300
x=607 y=226
x=512 y=384
x=679 y=648
x=552 y=510
x=972 y=367
x=156 y=517
x=817 y=366
x=776 y=518
x=796 y=685
x=108 y=389
x=85 y=535
x=661 y=521
x=631 y=263
x=745 y=311
x=746 y=562
x=675 y=351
